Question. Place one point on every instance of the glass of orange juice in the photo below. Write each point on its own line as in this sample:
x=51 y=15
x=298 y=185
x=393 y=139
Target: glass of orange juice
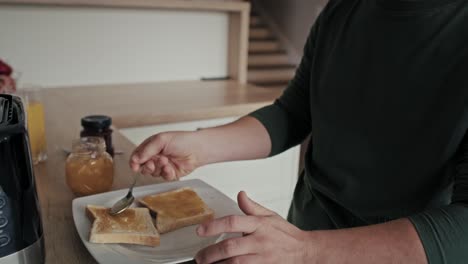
x=35 y=122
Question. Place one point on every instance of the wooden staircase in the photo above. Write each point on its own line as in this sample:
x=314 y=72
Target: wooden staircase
x=268 y=63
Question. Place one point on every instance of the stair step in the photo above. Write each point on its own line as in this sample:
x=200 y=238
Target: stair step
x=272 y=84
x=278 y=86
x=268 y=59
x=267 y=52
x=260 y=33
x=255 y=21
x=272 y=66
x=263 y=46
x=270 y=75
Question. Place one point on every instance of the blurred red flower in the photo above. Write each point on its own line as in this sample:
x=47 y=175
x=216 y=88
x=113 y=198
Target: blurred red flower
x=5 y=69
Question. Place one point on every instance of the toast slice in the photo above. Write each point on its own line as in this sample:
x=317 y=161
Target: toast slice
x=132 y=226
x=177 y=208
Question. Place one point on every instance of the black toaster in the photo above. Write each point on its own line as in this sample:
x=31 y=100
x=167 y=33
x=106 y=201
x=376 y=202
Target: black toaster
x=21 y=235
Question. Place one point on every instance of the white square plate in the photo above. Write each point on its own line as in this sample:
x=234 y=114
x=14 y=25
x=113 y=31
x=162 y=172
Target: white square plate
x=177 y=246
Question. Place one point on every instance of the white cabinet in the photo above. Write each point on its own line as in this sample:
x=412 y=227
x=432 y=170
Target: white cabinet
x=114 y=45
x=269 y=181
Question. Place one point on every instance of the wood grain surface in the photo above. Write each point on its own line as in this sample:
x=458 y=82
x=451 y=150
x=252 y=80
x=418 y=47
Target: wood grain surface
x=130 y=106
x=135 y=105
x=203 y=5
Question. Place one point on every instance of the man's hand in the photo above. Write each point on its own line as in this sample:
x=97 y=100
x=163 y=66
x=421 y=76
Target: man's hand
x=267 y=238
x=170 y=155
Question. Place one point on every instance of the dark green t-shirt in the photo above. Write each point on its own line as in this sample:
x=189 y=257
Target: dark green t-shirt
x=383 y=90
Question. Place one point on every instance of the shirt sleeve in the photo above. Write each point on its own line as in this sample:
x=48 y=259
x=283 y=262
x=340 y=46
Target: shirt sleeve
x=444 y=231
x=288 y=119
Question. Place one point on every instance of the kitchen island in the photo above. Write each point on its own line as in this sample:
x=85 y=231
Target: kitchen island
x=130 y=105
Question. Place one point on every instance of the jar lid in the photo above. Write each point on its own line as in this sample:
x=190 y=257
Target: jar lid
x=87 y=145
x=96 y=121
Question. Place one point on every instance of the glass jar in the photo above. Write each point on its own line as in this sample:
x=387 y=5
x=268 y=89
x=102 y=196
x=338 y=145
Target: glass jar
x=89 y=168
x=98 y=126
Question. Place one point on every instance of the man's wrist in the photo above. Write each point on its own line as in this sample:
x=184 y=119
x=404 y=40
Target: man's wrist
x=313 y=249
x=203 y=152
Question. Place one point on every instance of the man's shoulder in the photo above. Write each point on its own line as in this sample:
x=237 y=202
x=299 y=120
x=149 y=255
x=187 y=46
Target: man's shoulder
x=334 y=3
x=333 y=14
x=336 y=6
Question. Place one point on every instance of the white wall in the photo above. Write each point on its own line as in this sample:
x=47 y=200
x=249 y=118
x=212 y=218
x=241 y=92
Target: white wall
x=60 y=46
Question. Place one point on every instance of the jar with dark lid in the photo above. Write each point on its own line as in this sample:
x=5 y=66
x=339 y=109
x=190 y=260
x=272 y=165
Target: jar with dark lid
x=98 y=126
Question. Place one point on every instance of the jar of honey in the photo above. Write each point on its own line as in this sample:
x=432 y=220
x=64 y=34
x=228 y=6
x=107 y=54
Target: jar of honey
x=89 y=168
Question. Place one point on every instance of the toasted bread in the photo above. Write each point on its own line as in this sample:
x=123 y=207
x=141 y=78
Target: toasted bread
x=177 y=208
x=133 y=226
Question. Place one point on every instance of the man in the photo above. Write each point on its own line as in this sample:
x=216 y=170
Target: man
x=382 y=88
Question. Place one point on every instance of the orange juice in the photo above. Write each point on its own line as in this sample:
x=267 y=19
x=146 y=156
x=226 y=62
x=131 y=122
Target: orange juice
x=36 y=128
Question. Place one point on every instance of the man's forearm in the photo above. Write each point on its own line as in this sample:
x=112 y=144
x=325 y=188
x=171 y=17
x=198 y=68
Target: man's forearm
x=244 y=139
x=392 y=242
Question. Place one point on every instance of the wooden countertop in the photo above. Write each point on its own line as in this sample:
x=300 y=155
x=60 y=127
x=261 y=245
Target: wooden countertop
x=134 y=105
x=130 y=106
x=203 y=5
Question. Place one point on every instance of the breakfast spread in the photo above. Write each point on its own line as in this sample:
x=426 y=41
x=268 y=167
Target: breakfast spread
x=89 y=168
x=172 y=210
x=176 y=209
x=133 y=226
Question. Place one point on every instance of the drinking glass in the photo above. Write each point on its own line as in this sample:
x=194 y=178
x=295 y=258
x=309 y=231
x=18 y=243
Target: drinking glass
x=35 y=122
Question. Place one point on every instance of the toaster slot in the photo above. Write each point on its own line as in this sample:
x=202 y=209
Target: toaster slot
x=6 y=109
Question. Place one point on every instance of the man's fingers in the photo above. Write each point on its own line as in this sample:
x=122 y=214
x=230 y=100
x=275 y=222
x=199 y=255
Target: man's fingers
x=149 y=148
x=157 y=170
x=159 y=166
x=148 y=168
x=244 y=259
x=134 y=166
x=227 y=249
x=229 y=224
x=168 y=173
x=249 y=207
x=134 y=157
x=145 y=171
x=162 y=161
